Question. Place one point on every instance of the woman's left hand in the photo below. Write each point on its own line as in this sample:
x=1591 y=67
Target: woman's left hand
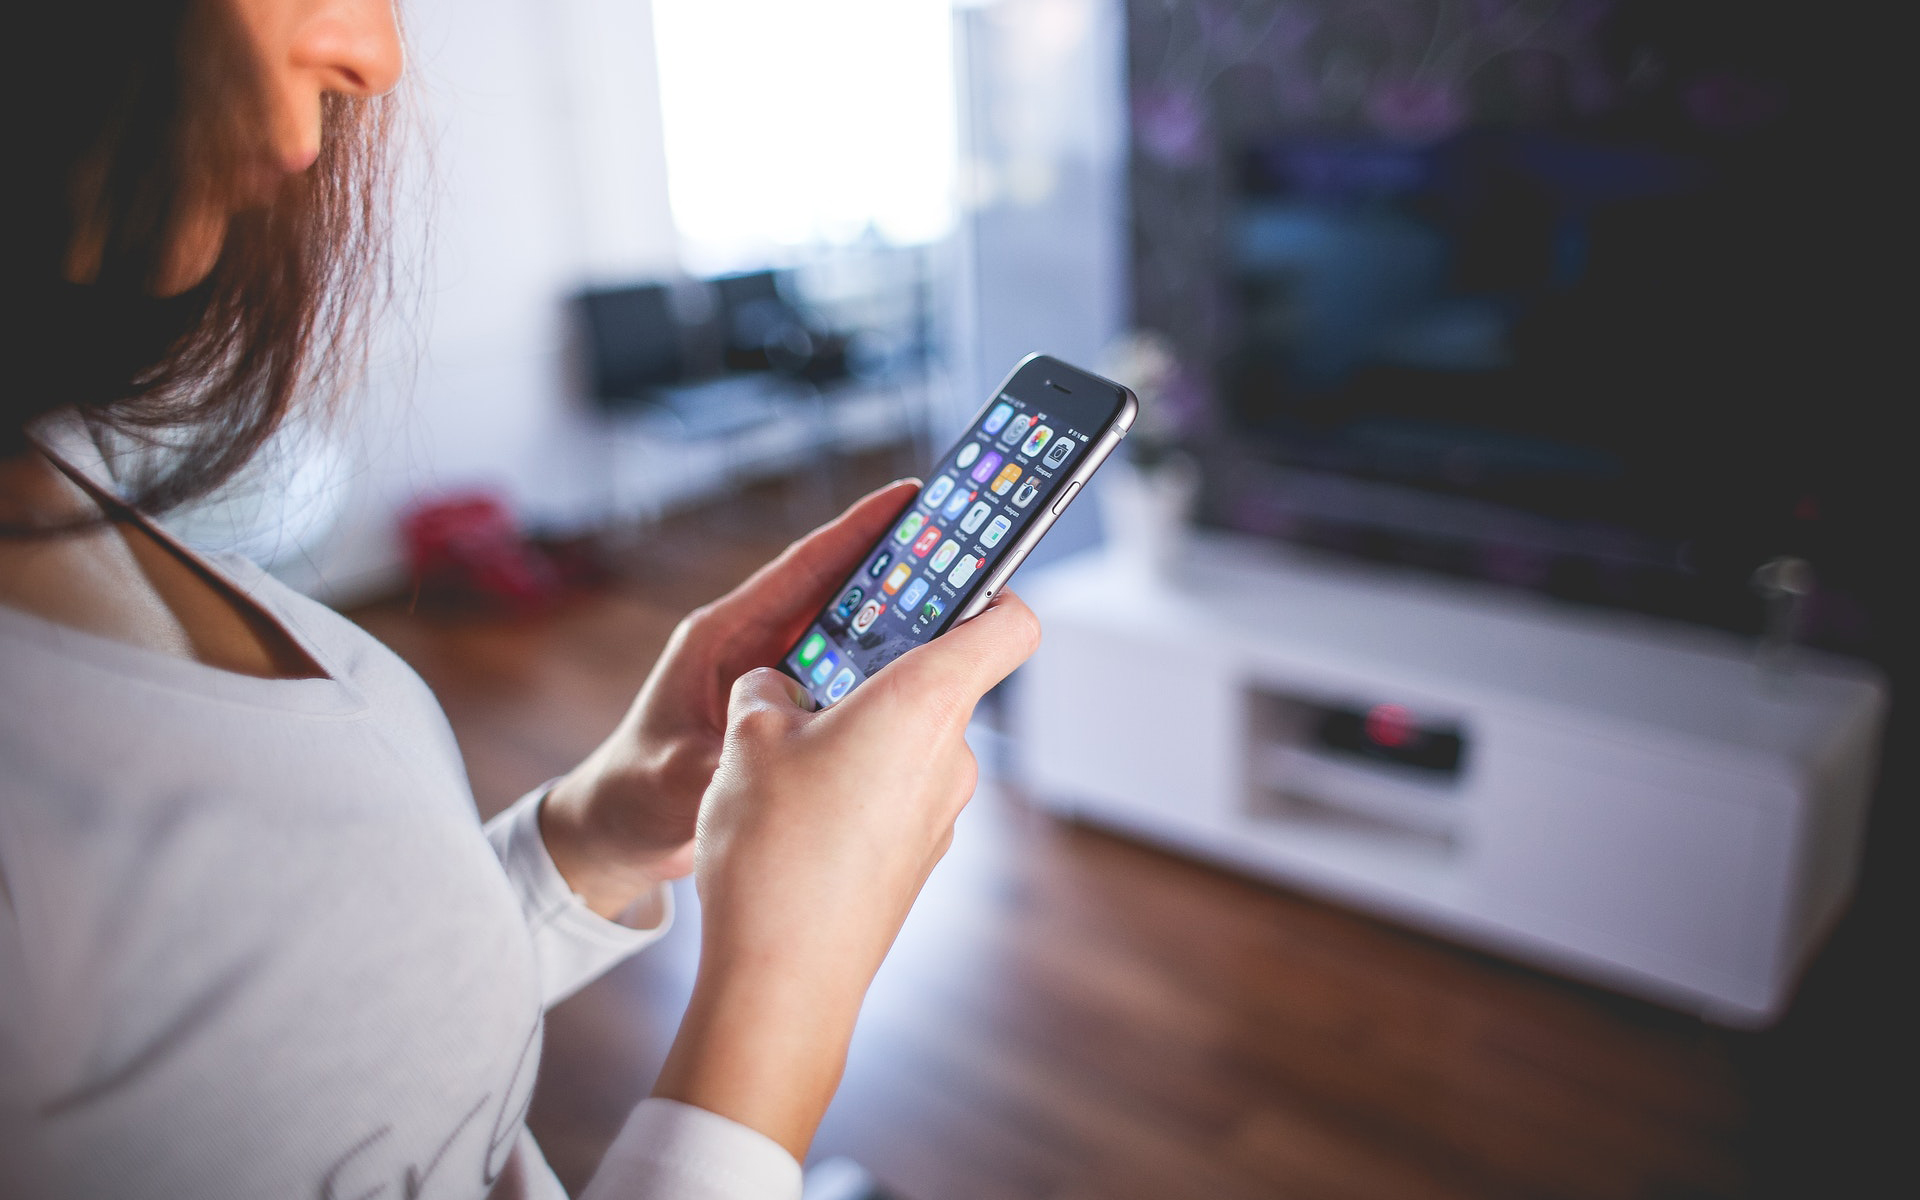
x=623 y=820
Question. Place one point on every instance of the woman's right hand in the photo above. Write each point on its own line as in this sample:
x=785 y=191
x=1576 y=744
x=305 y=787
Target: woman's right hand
x=814 y=839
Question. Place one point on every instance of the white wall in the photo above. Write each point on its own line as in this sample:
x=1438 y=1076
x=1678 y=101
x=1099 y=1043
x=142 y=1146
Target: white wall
x=536 y=166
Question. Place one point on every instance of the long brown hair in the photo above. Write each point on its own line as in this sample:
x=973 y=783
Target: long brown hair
x=132 y=111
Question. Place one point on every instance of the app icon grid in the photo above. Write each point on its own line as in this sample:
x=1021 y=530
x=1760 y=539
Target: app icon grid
x=959 y=515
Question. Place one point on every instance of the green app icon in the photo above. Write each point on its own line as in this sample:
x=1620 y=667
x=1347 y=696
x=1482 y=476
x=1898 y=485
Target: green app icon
x=810 y=649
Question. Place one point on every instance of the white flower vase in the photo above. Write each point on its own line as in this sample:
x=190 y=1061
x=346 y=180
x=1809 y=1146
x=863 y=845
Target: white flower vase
x=1147 y=513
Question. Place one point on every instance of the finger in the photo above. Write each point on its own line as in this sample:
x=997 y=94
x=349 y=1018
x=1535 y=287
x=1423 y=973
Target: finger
x=973 y=656
x=766 y=692
x=791 y=588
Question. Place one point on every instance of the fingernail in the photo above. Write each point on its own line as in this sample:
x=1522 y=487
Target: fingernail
x=802 y=697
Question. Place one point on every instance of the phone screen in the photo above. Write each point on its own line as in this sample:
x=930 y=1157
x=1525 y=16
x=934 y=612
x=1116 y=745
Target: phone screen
x=1004 y=474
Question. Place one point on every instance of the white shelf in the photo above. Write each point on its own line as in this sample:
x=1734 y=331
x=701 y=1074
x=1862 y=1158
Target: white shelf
x=1372 y=794
x=1637 y=804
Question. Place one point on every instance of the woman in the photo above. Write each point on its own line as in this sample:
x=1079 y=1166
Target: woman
x=253 y=940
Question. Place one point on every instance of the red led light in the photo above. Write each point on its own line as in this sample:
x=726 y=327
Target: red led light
x=1390 y=725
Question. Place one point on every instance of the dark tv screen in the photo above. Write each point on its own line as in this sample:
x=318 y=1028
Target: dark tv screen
x=1562 y=311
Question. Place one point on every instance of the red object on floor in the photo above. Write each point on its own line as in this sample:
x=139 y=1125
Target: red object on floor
x=466 y=549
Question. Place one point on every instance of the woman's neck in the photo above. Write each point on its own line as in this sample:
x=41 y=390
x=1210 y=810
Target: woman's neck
x=36 y=494
x=107 y=573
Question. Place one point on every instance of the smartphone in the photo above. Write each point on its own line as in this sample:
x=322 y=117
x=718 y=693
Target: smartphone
x=989 y=500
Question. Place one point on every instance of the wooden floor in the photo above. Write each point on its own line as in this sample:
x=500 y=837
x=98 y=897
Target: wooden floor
x=1069 y=1015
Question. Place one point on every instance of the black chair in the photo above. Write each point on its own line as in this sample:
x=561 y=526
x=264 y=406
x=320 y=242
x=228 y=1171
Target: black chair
x=764 y=331
x=639 y=362
x=633 y=343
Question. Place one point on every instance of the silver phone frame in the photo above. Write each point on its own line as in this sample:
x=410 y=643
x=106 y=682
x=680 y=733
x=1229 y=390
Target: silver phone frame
x=1070 y=488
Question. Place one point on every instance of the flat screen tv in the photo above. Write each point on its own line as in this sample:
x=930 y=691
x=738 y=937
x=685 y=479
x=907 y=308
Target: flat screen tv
x=1554 y=294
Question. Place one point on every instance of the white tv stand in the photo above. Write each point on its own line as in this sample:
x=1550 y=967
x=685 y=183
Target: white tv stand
x=1637 y=804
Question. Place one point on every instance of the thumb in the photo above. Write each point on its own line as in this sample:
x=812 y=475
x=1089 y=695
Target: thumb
x=974 y=656
x=791 y=588
x=767 y=694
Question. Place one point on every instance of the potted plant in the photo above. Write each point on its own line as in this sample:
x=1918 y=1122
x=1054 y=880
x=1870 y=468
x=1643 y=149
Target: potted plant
x=1147 y=494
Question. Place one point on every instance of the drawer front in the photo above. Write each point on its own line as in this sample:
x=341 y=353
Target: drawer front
x=1685 y=883
x=1129 y=720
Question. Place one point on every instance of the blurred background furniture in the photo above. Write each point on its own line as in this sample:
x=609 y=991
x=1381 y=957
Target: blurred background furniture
x=649 y=374
x=881 y=304
x=749 y=364
x=1643 y=805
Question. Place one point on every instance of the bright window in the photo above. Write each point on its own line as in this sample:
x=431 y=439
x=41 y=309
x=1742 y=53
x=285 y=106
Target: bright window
x=804 y=123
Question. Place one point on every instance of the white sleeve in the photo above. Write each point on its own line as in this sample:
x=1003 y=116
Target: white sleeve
x=673 y=1151
x=573 y=944
x=667 y=1150
x=19 y=1104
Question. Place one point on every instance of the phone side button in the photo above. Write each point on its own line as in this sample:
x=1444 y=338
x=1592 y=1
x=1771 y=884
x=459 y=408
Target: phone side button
x=1066 y=498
